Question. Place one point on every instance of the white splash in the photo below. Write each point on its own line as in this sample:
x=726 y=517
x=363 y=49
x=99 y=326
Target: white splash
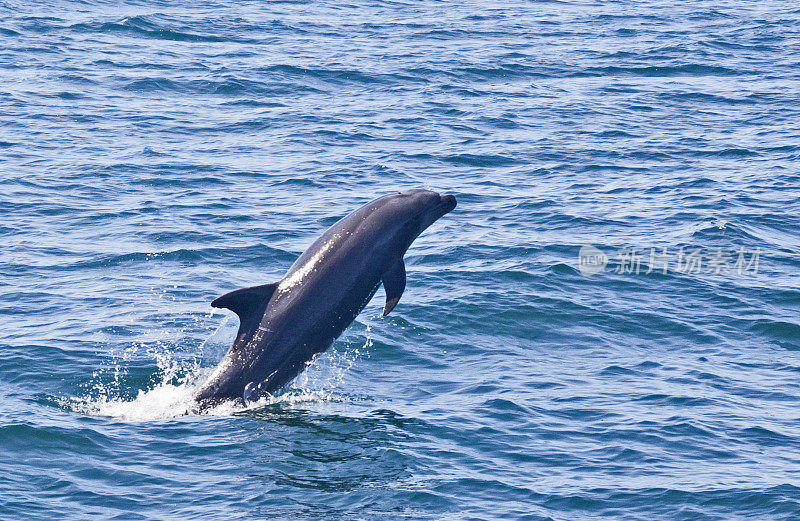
x=173 y=396
x=165 y=401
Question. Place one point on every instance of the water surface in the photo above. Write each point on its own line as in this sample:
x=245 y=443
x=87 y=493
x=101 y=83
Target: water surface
x=154 y=156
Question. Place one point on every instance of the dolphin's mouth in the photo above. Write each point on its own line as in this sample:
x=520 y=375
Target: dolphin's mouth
x=446 y=204
x=435 y=208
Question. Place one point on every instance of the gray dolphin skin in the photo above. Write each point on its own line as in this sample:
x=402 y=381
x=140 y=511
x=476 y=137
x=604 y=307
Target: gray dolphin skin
x=283 y=325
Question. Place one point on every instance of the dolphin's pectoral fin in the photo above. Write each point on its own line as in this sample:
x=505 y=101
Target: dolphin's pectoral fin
x=246 y=303
x=394 y=283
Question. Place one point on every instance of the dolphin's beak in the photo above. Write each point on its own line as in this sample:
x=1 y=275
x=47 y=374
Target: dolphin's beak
x=446 y=204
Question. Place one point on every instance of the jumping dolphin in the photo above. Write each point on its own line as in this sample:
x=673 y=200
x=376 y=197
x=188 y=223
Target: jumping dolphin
x=284 y=324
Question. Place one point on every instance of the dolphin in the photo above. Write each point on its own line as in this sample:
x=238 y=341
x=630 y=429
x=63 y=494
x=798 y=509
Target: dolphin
x=283 y=325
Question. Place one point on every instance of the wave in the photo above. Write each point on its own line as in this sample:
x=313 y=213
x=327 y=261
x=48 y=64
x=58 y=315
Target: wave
x=145 y=26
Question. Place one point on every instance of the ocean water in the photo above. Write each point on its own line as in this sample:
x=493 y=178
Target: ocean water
x=154 y=155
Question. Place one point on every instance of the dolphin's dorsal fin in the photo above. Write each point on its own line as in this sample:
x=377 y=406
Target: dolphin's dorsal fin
x=394 y=283
x=246 y=302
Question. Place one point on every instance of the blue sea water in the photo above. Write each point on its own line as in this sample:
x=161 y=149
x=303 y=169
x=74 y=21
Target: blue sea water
x=154 y=155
